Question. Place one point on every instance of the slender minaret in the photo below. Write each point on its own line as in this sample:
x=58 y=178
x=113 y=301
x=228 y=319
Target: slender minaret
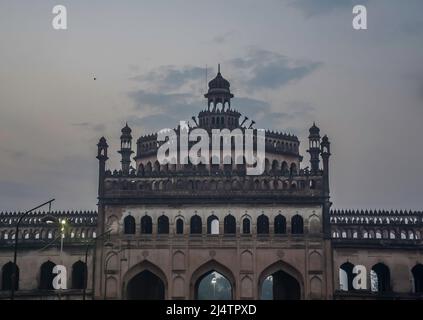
x=314 y=147
x=126 y=149
x=102 y=158
x=325 y=152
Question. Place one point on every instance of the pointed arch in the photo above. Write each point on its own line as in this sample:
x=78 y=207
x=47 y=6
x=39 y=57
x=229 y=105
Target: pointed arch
x=212 y=224
x=137 y=270
x=262 y=224
x=205 y=269
x=146 y=225
x=179 y=225
x=346 y=276
x=163 y=225
x=229 y=224
x=129 y=225
x=297 y=224
x=246 y=224
x=46 y=275
x=280 y=224
x=79 y=275
x=382 y=279
x=196 y=225
x=287 y=272
x=7 y=275
x=417 y=273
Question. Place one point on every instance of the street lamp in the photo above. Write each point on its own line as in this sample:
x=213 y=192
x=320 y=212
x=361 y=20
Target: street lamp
x=84 y=293
x=15 y=251
x=213 y=281
x=61 y=223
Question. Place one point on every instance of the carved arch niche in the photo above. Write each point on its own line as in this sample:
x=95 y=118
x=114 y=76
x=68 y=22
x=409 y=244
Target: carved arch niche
x=178 y=261
x=246 y=261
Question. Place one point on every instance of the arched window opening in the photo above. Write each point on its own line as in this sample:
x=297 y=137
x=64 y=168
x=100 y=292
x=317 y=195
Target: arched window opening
x=275 y=166
x=346 y=276
x=212 y=225
x=229 y=224
x=213 y=286
x=7 y=276
x=417 y=272
x=145 y=286
x=146 y=225
x=284 y=168
x=179 y=226
x=246 y=226
x=129 y=225
x=196 y=225
x=163 y=225
x=293 y=169
x=280 y=286
x=46 y=276
x=148 y=168
x=280 y=224
x=262 y=224
x=380 y=278
x=156 y=166
x=79 y=275
x=297 y=225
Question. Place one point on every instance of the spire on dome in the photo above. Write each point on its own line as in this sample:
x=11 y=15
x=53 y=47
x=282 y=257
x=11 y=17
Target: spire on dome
x=219 y=92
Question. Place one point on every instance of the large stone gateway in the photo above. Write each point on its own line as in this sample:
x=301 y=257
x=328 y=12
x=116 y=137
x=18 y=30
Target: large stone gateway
x=210 y=231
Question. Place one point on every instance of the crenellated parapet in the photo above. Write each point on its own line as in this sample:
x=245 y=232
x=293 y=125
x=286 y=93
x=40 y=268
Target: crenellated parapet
x=80 y=225
x=277 y=188
x=374 y=225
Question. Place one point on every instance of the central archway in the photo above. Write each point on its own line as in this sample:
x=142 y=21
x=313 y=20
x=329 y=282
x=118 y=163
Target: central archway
x=213 y=286
x=212 y=281
x=145 y=286
x=280 y=282
x=144 y=281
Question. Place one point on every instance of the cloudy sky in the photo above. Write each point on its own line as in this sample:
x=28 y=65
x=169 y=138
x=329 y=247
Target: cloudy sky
x=290 y=62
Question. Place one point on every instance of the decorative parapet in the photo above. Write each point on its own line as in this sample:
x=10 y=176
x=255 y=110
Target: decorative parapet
x=377 y=226
x=214 y=186
x=80 y=227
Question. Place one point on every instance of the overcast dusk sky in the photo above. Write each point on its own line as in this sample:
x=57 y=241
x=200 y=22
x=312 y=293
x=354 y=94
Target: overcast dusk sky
x=289 y=63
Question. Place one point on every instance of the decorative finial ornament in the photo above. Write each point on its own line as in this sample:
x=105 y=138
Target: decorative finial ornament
x=218 y=68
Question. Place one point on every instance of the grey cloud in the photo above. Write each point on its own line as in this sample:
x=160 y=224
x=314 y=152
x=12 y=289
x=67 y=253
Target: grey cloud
x=270 y=70
x=265 y=69
x=222 y=38
x=153 y=123
x=171 y=77
x=290 y=114
x=167 y=108
x=99 y=127
x=312 y=8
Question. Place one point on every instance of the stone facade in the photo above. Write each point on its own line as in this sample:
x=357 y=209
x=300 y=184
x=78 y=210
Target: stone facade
x=161 y=229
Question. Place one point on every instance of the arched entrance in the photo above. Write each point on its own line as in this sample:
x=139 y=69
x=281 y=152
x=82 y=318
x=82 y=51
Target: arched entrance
x=213 y=286
x=280 y=282
x=145 y=286
x=212 y=281
x=144 y=281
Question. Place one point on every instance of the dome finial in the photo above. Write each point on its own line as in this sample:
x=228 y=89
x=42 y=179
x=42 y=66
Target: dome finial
x=218 y=68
